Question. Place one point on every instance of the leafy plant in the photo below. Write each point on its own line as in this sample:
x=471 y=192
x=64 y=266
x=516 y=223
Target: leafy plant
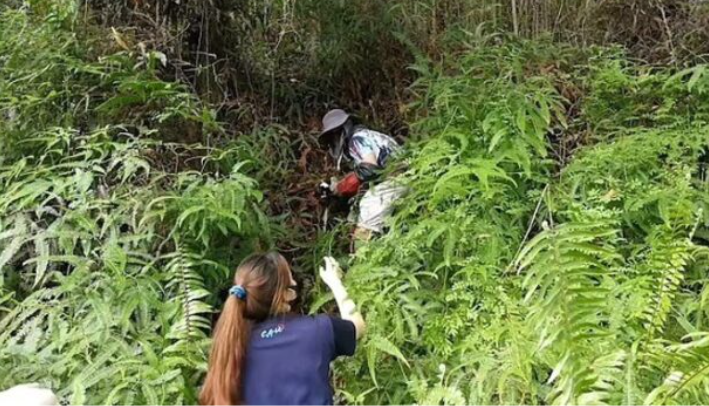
x=112 y=250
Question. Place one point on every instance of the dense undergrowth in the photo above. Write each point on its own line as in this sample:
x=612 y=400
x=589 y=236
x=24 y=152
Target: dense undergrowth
x=508 y=279
x=552 y=248
x=114 y=242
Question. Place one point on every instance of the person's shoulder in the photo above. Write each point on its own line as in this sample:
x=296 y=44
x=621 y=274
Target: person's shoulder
x=305 y=317
x=318 y=321
x=360 y=132
x=374 y=134
x=308 y=320
x=321 y=319
x=319 y=325
x=366 y=136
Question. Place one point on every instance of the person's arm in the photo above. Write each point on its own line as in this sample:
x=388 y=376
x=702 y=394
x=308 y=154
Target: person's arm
x=366 y=169
x=367 y=172
x=348 y=186
x=330 y=274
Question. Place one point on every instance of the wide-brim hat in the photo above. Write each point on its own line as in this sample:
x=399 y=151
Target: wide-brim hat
x=333 y=120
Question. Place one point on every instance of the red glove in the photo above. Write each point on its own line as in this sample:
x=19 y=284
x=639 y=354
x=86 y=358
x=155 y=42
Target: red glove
x=348 y=186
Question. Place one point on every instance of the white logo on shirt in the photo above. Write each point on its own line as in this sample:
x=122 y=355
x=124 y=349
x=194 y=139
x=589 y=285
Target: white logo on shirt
x=272 y=332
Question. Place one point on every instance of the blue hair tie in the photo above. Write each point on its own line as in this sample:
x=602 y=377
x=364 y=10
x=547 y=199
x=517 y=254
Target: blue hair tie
x=238 y=291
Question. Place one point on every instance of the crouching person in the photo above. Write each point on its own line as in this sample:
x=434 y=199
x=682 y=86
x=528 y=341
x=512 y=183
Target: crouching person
x=369 y=152
x=261 y=354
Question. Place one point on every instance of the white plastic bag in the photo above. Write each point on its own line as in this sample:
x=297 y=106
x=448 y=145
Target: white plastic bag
x=377 y=204
x=29 y=394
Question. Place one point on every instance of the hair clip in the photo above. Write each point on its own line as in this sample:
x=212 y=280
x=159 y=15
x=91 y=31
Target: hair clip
x=238 y=291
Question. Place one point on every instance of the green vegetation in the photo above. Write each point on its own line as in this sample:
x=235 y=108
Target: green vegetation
x=553 y=247
x=603 y=301
x=114 y=244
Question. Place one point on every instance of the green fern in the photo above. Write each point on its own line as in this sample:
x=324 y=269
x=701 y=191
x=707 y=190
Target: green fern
x=665 y=264
x=185 y=279
x=565 y=269
x=12 y=240
x=687 y=366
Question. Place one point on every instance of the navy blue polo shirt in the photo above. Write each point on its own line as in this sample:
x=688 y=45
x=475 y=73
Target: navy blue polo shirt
x=288 y=359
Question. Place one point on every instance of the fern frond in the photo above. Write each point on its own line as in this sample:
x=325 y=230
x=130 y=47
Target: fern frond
x=688 y=366
x=669 y=254
x=607 y=371
x=41 y=248
x=564 y=268
x=14 y=240
x=190 y=291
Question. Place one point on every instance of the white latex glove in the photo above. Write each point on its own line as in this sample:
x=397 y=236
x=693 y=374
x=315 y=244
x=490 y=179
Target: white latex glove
x=330 y=273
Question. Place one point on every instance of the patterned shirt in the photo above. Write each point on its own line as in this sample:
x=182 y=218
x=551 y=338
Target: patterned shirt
x=364 y=142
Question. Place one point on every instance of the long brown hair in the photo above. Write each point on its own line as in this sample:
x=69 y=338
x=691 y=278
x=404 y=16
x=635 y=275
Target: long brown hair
x=266 y=278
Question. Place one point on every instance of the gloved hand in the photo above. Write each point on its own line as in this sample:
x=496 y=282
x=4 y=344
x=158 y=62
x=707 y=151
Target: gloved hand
x=326 y=189
x=331 y=273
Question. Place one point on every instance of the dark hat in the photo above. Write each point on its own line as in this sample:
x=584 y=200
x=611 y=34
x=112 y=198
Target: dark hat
x=333 y=120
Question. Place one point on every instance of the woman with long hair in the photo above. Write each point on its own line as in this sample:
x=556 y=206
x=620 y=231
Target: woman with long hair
x=263 y=355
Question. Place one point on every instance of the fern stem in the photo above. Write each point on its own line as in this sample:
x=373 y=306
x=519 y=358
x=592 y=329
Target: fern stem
x=529 y=230
x=685 y=382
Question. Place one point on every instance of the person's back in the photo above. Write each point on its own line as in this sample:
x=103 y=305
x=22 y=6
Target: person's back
x=288 y=359
x=260 y=354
